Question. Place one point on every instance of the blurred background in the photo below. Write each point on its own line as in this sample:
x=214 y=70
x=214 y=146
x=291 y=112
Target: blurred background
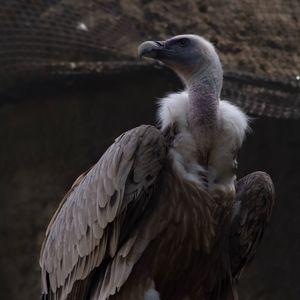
x=70 y=83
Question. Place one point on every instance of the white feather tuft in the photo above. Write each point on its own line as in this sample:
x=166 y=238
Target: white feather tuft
x=234 y=121
x=232 y=127
x=173 y=109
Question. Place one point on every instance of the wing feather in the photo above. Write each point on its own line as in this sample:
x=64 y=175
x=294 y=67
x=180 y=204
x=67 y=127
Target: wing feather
x=252 y=211
x=89 y=224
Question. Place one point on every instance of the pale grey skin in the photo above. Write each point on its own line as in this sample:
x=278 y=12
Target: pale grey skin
x=131 y=225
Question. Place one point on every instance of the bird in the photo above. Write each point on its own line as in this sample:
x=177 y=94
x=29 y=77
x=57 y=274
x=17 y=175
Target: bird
x=162 y=215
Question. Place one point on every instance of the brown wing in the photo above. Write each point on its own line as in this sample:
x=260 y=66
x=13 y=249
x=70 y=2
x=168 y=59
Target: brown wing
x=88 y=227
x=252 y=211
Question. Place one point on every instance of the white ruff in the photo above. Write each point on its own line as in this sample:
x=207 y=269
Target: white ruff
x=232 y=126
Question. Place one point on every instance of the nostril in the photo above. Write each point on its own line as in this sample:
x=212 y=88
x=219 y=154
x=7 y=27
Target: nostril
x=159 y=43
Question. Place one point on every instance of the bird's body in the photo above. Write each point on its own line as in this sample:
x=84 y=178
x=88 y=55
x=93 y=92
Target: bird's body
x=157 y=218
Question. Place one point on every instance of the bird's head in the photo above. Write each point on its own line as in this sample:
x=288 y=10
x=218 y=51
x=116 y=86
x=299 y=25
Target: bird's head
x=188 y=55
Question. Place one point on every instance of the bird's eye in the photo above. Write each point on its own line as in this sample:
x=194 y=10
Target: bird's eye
x=183 y=42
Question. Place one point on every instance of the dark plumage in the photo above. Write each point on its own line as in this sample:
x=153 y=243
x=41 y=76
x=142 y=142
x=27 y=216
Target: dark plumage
x=160 y=215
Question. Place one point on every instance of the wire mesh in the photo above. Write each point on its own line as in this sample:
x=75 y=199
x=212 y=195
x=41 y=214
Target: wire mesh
x=258 y=41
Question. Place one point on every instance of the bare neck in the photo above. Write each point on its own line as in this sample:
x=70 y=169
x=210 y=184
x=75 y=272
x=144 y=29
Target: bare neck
x=204 y=90
x=203 y=107
x=204 y=94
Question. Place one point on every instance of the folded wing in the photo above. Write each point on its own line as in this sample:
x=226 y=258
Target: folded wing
x=100 y=210
x=252 y=211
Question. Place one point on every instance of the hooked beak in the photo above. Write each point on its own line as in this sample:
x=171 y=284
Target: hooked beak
x=151 y=49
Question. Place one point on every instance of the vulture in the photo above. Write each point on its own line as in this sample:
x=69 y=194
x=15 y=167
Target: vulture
x=161 y=215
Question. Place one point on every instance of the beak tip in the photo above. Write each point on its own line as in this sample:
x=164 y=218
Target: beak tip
x=148 y=49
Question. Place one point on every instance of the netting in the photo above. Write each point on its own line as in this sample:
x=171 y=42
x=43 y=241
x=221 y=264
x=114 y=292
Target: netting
x=258 y=42
x=39 y=34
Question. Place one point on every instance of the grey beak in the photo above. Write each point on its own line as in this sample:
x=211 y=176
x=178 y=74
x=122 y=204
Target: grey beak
x=150 y=49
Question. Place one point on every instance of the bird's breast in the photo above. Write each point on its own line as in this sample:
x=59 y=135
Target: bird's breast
x=183 y=252
x=190 y=210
